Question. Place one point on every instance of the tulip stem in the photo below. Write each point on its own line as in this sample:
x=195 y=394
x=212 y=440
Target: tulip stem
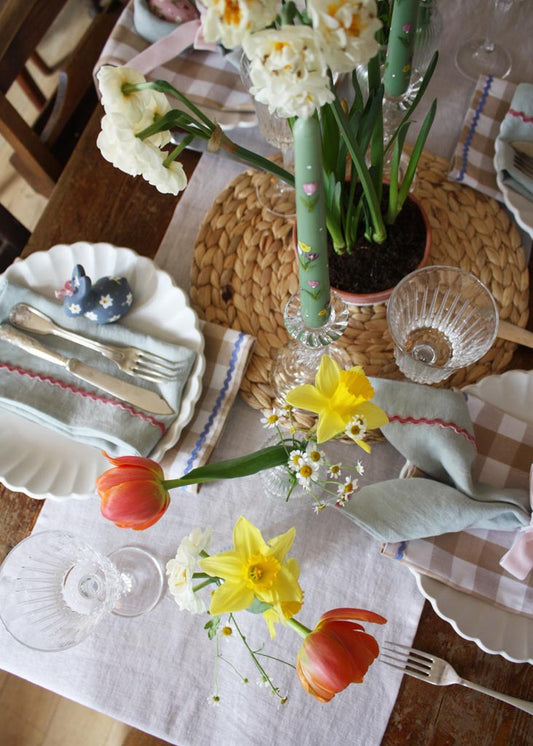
x=297 y=626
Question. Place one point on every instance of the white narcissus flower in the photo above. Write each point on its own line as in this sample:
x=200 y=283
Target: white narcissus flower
x=119 y=145
x=348 y=31
x=181 y=568
x=288 y=70
x=169 y=179
x=140 y=108
x=228 y=21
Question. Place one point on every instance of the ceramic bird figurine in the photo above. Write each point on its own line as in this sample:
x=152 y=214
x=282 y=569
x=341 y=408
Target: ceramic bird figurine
x=105 y=301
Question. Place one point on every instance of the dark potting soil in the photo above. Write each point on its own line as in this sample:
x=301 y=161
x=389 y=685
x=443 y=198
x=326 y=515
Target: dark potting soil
x=374 y=267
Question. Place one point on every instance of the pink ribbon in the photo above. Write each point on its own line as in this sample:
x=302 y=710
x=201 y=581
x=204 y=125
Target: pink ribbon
x=518 y=561
x=185 y=35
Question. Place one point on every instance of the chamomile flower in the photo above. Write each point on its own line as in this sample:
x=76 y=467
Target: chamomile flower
x=315 y=455
x=296 y=459
x=306 y=471
x=347 y=489
x=356 y=428
x=270 y=420
x=359 y=468
x=334 y=470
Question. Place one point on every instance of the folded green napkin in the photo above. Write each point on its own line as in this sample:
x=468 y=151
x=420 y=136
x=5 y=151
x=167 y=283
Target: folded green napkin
x=517 y=125
x=51 y=396
x=432 y=429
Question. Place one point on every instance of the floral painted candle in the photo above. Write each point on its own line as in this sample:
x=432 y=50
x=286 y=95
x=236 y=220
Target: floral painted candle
x=400 y=47
x=313 y=267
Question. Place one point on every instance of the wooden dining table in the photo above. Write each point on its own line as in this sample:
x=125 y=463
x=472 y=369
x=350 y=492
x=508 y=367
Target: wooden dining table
x=93 y=201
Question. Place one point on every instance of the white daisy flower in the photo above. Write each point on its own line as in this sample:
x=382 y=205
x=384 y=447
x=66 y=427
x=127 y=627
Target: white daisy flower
x=270 y=420
x=296 y=459
x=356 y=428
x=347 y=489
x=306 y=472
x=334 y=470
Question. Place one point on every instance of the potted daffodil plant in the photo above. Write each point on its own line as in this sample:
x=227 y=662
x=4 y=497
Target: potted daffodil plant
x=300 y=56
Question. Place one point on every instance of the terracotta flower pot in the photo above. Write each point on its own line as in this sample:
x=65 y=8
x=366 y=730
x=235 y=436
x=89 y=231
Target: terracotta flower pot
x=370 y=298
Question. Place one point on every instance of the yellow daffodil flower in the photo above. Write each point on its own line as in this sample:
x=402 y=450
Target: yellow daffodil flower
x=255 y=569
x=337 y=397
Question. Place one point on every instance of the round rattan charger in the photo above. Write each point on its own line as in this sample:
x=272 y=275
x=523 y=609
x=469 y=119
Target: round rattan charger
x=244 y=271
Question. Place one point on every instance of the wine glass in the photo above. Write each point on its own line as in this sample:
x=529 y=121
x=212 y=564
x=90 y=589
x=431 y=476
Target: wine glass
x=55 y=588
x=272 y=193
x=440 y=319
x=484 y=56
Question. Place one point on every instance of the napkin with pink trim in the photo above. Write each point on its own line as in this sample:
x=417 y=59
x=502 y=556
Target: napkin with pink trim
x=493 y=565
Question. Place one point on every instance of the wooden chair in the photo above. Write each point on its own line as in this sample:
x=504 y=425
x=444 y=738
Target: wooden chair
x=41 y=150
x=13 y=238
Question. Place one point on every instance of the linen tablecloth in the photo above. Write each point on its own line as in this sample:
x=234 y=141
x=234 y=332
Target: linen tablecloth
x=156 y=672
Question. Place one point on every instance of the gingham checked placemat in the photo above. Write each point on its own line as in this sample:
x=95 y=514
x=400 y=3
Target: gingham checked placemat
x=469 y=560
x=207 y=78
x=226 y=355
x=473 y=157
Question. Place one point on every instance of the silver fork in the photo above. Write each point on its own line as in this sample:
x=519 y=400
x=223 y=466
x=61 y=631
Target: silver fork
x=131 y=360
x=438 y=671
x=523 y=157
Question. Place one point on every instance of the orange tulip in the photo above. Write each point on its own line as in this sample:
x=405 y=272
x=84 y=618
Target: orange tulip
x=133 y=493
x=338 y=652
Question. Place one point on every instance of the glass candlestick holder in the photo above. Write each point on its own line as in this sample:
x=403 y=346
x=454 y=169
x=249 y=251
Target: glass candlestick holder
x=297 y=362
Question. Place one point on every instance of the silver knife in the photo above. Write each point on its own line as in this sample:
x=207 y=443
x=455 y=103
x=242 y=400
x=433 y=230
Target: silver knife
x=150 y=401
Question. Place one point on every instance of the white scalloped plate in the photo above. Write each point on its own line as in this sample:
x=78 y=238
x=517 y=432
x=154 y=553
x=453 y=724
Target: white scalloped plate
x=44 y=464
x=492 y=628
x=521 y=207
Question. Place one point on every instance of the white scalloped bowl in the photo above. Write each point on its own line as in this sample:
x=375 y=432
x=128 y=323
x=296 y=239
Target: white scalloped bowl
x=44 y=464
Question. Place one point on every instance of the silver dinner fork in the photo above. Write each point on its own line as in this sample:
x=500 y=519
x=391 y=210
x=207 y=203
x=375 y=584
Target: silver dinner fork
x=522 y=158
x=438 y=671
x=131 y=360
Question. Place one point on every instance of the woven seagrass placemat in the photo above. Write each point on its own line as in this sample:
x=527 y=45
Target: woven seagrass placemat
x=244 y=271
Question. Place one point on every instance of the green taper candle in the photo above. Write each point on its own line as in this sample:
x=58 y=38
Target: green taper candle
x=400 y=47
x=313 y=267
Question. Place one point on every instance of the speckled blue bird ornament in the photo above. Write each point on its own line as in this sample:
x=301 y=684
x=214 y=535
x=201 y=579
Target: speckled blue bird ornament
x=103 y=302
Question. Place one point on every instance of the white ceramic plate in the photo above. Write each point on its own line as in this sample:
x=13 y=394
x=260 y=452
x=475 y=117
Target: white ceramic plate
x=521 y=208
x=494 y=629
x=44 y=464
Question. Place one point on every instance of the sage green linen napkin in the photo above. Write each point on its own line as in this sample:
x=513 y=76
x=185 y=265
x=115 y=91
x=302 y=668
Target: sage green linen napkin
x=51 y=396
x=432 y=429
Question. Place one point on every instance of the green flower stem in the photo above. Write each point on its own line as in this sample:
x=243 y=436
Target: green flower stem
x=253 y=656
x=162 y=86
x=203 y=128
x=204 y=584
x=177 y=150
x=380 y=231
x=220 y=141
x=298 y=627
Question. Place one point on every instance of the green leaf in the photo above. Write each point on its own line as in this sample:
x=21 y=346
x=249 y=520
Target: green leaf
x=212 y=626
x=243 y=466
x=415 y=155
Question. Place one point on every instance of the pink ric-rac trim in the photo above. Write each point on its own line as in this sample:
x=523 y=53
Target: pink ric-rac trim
x=521 y=115
x=433 y=421
x=86 y=394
